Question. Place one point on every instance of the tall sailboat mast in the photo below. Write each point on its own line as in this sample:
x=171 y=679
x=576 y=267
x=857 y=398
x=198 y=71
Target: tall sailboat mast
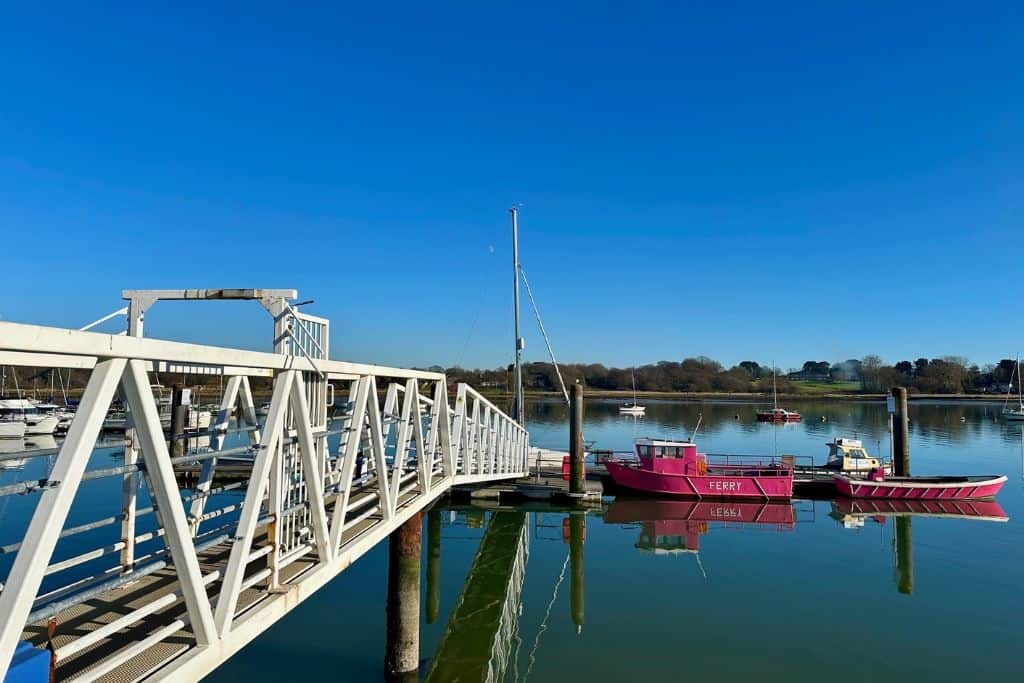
x=517 y=394
x=775 y=391
x=1020 y=395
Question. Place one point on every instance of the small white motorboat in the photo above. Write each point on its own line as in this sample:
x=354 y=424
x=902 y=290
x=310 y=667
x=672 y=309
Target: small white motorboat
x=36 y=421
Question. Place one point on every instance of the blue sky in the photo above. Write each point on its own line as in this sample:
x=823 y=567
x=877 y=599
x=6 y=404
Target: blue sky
x=743 y=180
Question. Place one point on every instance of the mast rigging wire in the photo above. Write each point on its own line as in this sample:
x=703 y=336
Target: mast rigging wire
x=543 y=332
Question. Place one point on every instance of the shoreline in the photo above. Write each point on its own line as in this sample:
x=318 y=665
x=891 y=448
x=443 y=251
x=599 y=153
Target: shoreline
x=750 y=396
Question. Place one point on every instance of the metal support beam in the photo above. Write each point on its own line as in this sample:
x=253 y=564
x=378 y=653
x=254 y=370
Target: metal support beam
x=266 y=453
x=51 y=512
x=167 y=500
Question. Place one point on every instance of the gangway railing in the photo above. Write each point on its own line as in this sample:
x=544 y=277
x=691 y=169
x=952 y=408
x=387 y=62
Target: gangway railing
x=215 y=565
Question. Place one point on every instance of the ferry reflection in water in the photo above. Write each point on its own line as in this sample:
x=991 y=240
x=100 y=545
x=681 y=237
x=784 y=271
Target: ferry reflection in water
x=675 y=526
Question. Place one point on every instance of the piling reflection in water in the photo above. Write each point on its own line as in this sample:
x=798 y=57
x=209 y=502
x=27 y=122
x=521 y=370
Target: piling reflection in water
x=433 y=565
x=853 y=513
x=478 y=639
x=577 y=531
x=903 y=544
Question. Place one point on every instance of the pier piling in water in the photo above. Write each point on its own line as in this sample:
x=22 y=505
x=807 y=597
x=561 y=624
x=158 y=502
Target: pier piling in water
x=179 y=410
x=901 y=434
x=433 y=565
x=577 y=484
x=402 y=651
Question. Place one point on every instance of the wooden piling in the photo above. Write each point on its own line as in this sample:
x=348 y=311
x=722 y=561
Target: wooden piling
x=179 y=410
x=577 y=483
x=901 y=434
x=402 y=650
x=433 y=565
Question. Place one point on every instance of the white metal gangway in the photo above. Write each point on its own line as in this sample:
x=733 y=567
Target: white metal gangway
x=213 y=578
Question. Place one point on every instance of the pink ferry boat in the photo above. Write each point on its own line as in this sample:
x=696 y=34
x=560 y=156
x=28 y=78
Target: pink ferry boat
x=676 y=468
x=877 y=485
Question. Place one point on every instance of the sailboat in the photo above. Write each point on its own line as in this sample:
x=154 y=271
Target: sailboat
x=1017 y=413
x=633 y=408
x=777 y=414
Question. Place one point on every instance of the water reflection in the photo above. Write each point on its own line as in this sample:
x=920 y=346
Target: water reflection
x=675 y=526
x=11 y=448
x=477 y=644
x=484 y=637
x=852 y=513
x=540 y=593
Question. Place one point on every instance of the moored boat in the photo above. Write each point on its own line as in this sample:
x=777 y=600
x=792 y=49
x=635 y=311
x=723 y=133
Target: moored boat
x=11 y=427
x=1014 y=414
x=778 y=415
x=36 y=422
x=64 y=414
x=666 y=467
x=849 y=455
x=633 y=408
x=919 y=488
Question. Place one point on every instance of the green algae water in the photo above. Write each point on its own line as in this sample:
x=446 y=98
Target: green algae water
x=662 y=590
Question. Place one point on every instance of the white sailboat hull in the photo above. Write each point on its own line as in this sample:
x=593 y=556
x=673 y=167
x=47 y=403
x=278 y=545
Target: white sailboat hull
x=632 y=408
x=1015 y=414
x=12 y=429
x=40 y=424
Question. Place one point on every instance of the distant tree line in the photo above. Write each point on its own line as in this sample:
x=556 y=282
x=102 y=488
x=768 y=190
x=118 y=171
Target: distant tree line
x=945 y=375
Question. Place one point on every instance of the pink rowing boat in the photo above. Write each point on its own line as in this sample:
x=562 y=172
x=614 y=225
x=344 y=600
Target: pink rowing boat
x=877 y=485
x=676 y=468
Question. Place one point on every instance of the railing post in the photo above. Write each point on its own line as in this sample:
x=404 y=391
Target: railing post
x=275 y=508
x=129 y=495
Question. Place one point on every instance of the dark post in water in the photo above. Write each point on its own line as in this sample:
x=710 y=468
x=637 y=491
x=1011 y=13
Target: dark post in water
x=576 y=476
x=402 y=652
x=179 y=409
x=901 y=434
x=577 y=530
x=433 y=565
x=904 y=542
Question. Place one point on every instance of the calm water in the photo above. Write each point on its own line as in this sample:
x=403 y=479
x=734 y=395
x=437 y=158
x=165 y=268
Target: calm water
x=783 y=592
x=798 y=596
